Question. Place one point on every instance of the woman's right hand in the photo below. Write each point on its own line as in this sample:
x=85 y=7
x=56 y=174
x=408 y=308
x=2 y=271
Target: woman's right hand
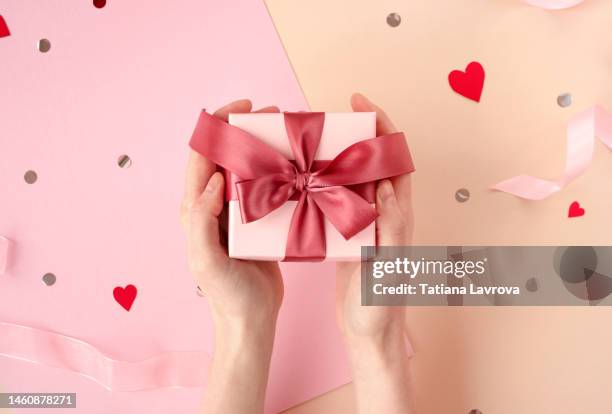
x=244 y=296
x=235 y=289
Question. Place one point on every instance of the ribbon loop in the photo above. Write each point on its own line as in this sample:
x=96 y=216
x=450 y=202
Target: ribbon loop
x=335 y=190
x=261 y=196
x=366 y=161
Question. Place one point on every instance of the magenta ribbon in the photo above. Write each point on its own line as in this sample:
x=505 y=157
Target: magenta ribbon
x=582 y=131
x=175 y=369
x=267 y=180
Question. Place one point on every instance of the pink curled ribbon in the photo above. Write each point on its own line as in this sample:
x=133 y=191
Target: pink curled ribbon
x=177 y=369
x=581 y=136
x=267 y=180
x=553 y=4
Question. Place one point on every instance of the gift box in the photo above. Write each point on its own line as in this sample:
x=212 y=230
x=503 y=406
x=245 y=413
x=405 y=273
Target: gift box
x=301 y=186
x=265 y=239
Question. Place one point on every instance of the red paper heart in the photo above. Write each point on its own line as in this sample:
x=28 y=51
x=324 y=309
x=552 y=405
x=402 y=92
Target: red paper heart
x=468 y=83
x=575 y=210
x=4 y=30
x=125 y=296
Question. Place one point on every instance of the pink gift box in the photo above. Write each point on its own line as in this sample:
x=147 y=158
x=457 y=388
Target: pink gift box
x=266 y=238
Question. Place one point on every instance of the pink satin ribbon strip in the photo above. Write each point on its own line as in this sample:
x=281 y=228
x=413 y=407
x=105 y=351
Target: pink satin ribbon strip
x=554 y=4
x=177 y=369
x=267 y=179
x=582 y=131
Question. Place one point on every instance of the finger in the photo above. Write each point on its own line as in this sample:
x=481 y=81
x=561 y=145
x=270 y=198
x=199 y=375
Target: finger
x=402 y=184
x=268 y=109
x=240 y=106
x=204 y=247
x=200 y=169
x=360 y=103
x=392 y=226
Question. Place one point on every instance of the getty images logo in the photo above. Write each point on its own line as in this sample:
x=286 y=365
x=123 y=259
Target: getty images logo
x=413 y=268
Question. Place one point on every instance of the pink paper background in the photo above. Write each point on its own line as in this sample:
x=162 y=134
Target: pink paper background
x=131 y=79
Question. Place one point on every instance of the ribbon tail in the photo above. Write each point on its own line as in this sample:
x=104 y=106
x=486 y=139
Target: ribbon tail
x=528 y=187
x=179 y=369
x=306 y=239
x=582 y=131
x=346 y=210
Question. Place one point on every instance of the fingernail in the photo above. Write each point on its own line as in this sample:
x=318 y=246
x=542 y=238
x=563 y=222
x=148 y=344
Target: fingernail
x=385 y=190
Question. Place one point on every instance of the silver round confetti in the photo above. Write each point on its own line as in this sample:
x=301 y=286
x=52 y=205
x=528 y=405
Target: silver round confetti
x=44 y=45
x=49 y=279
x=124 y=161
x=30 y=177
x=394 y=19
x=462 y=195
x=532 y=284
x=564 y=100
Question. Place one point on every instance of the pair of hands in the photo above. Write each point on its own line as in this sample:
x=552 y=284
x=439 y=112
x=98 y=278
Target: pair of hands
x=247 y=295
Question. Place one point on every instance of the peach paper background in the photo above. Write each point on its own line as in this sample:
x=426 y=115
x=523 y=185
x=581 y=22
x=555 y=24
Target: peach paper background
x=501 y=361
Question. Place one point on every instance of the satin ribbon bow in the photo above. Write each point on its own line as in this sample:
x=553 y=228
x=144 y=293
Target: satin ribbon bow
x=267 y=179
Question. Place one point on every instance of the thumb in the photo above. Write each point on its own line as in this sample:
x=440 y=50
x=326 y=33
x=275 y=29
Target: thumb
x=392 y=227
x=204 y=247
